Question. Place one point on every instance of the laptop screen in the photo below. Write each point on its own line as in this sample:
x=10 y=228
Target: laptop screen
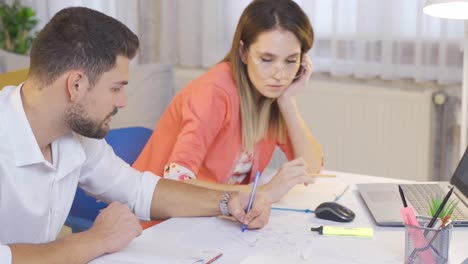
x=460 y=176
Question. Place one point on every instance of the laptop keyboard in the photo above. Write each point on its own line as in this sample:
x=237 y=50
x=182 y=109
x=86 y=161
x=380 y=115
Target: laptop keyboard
x=419 y=196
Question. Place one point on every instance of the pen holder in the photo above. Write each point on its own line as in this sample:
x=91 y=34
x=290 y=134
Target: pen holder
x=427 y=245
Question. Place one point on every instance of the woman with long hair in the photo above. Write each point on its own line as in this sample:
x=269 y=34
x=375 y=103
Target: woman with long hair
x=222 y=128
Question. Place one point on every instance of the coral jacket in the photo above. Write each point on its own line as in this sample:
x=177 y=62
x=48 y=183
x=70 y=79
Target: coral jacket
x=201 y=130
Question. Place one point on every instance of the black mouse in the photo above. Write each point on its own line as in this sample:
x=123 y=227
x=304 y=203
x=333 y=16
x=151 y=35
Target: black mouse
x=334 y=211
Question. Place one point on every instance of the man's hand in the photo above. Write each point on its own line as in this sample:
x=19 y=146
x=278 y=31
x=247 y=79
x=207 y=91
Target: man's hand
x=258 y=215
x=116 y=226
x=291 y=173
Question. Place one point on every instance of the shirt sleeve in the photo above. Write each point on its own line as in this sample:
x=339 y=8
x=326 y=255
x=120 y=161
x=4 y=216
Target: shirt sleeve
x=5 y=254
x=287 y=148
x=177 y=172
x=107 y=177
x=204 y=114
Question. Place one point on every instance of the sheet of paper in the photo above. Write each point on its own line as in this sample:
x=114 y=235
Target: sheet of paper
x=270 y=259
x=279 y=235
x=148 y=252
x=316 y=194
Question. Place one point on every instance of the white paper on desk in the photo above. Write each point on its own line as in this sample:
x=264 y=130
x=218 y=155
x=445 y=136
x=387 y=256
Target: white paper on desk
x=266 y=259
x=282 y=235
x=158 y=252
x=309 y=197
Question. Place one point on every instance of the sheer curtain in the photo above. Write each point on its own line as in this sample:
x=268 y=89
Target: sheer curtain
x=358 y=38
x=123 y=10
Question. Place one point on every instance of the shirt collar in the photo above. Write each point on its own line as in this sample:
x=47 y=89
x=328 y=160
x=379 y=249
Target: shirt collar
x=25 y=147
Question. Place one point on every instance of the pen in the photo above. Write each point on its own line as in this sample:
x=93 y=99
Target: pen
x=214 y=258
x=244 y=226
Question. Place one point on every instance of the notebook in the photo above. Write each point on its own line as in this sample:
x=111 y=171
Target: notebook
x=384 y=202
x=316 y=194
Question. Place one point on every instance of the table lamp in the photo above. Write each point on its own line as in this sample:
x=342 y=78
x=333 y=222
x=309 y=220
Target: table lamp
x=455 y=9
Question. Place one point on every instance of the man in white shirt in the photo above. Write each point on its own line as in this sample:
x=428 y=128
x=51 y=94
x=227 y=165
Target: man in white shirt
x=51 y=130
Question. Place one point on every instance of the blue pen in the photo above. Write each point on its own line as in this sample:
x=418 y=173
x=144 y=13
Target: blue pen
x=244 y=226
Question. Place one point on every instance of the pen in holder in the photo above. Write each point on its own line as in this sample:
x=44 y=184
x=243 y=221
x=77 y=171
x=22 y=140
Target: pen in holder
x=437 y=241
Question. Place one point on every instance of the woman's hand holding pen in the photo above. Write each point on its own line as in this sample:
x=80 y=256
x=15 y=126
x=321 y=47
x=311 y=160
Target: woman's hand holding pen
x=291 y=173
x=259 y=213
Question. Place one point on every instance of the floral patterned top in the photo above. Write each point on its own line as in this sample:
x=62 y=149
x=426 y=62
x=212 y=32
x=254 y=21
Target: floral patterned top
x=241 y=170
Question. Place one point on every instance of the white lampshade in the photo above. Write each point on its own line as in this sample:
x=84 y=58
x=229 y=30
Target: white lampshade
x=455 y=9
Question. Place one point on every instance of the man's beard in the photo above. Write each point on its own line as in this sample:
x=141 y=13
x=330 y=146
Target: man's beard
x=75 y=118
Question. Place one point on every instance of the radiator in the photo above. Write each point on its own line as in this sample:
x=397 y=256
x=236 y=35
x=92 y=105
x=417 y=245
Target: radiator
x=381 y=131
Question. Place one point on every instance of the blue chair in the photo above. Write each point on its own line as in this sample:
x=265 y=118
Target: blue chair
x=127 y=143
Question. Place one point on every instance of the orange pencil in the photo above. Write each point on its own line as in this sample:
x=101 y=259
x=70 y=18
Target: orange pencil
x=318 y=175
x=214 y=258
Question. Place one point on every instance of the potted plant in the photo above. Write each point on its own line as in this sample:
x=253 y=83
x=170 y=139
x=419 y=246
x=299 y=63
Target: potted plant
x=16 y=36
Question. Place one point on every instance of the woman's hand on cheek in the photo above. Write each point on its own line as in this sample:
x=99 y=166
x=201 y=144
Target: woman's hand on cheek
x=306 y=72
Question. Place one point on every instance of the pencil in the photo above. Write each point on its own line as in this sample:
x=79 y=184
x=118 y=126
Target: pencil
x=318 y=175
x=214 y=258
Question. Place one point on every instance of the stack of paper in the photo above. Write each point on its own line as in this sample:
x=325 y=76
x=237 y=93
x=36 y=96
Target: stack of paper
x=316 y=194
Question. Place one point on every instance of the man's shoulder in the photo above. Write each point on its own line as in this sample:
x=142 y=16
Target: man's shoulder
x=5 y=91
x=4 y=95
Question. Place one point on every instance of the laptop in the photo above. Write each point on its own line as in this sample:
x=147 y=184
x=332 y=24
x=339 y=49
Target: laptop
x=384 y=202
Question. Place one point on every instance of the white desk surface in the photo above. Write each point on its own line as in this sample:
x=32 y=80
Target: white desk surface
x=285 y=239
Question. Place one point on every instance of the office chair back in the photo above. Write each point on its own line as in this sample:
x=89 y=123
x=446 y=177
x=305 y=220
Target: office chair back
x=127 y=143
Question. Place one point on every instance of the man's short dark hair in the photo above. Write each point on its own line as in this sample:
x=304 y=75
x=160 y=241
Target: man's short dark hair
x=80 y=38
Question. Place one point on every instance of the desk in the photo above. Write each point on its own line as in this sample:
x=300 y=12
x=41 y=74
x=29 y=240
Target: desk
x=285 y=239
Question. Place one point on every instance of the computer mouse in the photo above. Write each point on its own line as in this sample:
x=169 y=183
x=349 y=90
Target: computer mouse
x=334 y=211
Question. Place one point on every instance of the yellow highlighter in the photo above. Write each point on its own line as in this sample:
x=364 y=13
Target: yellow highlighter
x=344 y=231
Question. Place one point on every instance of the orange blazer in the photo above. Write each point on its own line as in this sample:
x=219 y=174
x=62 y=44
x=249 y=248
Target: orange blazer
x=201 y=130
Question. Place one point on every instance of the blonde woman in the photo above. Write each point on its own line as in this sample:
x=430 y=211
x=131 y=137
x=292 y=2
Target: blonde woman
x=222 y=128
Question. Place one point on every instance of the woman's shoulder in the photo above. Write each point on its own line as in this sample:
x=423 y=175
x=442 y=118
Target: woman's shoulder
x=219 y=77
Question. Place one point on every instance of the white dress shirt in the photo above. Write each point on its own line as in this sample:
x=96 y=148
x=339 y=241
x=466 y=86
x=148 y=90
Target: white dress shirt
x=36 y=196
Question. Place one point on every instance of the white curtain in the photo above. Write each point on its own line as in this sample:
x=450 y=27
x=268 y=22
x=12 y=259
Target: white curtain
x=358 y=38
x=123 y=10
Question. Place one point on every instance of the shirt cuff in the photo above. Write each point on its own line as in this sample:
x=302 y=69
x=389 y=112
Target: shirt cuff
x=177 y=172
x=5 y=254
x=143 y=208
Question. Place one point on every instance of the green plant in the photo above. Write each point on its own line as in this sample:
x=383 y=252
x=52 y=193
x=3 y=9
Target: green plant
x=16 y=23
x=448 y=209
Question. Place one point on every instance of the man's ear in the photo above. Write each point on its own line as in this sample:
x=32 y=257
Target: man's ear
x=242 y=52
x=76 y=84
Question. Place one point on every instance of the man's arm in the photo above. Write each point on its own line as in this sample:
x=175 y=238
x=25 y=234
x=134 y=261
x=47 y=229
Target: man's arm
x=178 y=199
x=113 y=229
x=289 y=175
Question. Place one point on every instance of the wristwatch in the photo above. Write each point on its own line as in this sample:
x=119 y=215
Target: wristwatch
x=223 y=204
